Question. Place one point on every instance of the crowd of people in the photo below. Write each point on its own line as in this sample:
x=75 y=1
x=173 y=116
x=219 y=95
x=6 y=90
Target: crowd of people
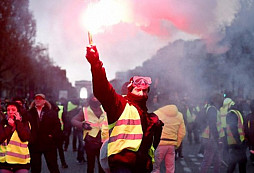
x=118 y=130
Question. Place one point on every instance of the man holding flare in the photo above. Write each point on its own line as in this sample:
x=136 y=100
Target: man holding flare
x=134 y=133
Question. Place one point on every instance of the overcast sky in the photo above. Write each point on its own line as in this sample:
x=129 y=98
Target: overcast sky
x=148 y=26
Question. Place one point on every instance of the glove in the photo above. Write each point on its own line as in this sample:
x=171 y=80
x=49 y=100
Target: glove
x=86 y=126
x=92 y=54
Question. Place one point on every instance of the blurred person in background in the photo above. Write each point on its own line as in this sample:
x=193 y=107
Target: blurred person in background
x=59 y=143
x=14 y=136
x=236 y=140
x=249 y=131
x=93 y=121
x=227 y=103
x=190 y=114
x=45 y=130
x=172 y=135
x=212 y=135
x=73 y=108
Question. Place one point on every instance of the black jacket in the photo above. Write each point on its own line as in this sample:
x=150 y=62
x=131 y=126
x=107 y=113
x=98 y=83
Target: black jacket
x=249 y=129
x=44 y=133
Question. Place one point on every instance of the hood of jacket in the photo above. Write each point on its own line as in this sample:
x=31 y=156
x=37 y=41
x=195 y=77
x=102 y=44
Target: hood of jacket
x=167 y=111
x=227 y=103
x=173 y=130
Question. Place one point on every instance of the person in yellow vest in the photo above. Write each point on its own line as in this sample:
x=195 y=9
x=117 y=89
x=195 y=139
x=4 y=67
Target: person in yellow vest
x=191 y=114
x=227 y=103
x=59 y=143
x=73 y=109
x=14 y=136
x=134 y=133
x=236 y=140
x=172 y=135
x=93 y=121
x=212 y=135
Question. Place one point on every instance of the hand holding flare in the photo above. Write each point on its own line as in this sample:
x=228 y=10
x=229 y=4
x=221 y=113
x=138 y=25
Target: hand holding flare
x=90 y=38
x=92 y=54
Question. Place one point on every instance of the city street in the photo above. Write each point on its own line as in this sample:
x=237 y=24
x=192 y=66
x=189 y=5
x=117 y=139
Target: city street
x=189 y=164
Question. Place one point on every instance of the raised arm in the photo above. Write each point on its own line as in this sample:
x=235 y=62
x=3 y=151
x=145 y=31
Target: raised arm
x=112 y=102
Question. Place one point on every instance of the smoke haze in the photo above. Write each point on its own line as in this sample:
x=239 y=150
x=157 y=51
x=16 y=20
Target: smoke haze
x=150 y=26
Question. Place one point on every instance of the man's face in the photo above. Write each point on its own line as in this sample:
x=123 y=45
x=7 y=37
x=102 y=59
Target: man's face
x=139 y=91
x=39 y=101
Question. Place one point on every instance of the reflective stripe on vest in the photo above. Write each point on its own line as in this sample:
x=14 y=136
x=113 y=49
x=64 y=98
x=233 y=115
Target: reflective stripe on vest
x=16 y=152
x=220 y=130
x=96 y=123
x=60 y=116
x=230 y=138
x=126 y=133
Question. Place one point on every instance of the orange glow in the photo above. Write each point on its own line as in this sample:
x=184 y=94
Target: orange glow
x=104 y=13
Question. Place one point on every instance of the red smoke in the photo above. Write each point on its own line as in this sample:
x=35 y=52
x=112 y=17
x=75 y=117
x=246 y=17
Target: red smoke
x=161 y=18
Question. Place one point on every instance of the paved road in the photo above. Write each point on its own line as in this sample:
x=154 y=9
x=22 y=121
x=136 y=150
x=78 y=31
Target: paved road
x=189 y=164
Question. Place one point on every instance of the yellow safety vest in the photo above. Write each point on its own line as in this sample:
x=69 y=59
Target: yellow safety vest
x=60 y=115
x=206 y=132
x=71 y=106
x=127 y=133
x=96 y=123
x=15 y=152
x=227 y=103
x=223 y=115
x=190 y=116
x=230 y=138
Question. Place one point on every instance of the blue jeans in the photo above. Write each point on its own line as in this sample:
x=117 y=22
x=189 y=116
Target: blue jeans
x=211 y=152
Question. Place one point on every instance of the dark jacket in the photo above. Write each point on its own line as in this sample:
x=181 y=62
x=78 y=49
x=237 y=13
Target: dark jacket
x=114 y=104
x=22 y=129
x=6 y=132
x=249 y=129
x=45 y=132
x=232 y=121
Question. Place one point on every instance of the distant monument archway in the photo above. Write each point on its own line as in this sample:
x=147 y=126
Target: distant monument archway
x=79 y=85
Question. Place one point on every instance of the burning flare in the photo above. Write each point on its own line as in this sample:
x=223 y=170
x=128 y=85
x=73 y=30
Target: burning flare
x=104 y=13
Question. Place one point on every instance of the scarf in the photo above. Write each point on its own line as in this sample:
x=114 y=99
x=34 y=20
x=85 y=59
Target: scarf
x=138 y=101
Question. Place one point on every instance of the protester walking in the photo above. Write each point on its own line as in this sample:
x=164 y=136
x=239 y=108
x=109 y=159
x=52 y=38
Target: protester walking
x=236 y=140
x=172 y=135
x=93 y=121
x=212 y=135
